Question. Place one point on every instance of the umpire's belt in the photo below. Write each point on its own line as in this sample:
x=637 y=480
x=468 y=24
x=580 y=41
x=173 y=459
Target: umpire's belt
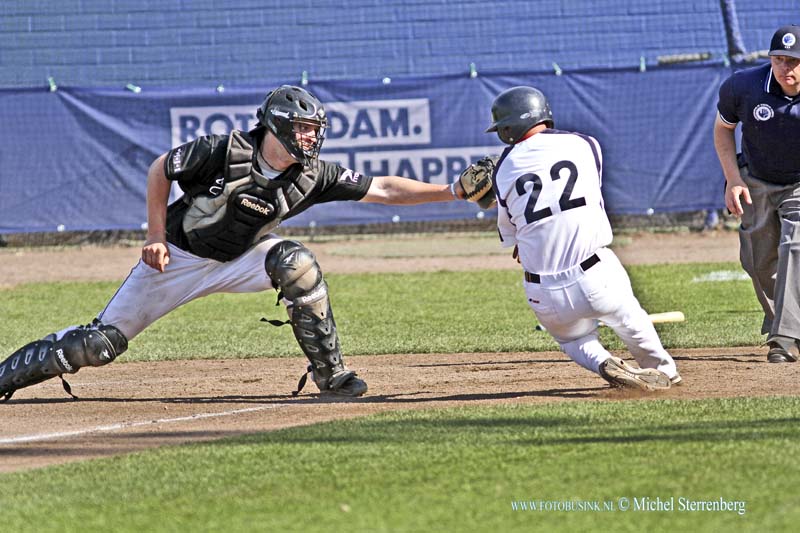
x=586 y=264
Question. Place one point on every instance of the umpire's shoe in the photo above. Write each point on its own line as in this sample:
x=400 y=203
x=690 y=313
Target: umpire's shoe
x=620 y=374
x=782 y=350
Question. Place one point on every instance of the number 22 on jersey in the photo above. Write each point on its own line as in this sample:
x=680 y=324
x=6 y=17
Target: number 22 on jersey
x=565 y=201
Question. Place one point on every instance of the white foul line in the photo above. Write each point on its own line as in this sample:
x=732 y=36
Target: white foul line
x=127 y=425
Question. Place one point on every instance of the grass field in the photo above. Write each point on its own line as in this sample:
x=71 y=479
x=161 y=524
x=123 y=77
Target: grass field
x=446 y=470
x=437 y=312
x=460 y=469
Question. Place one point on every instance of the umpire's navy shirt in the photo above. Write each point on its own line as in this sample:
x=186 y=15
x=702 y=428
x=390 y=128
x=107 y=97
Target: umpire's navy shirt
x=770 y=123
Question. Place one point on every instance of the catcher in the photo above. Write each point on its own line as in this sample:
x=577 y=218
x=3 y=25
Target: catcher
x=219 y=238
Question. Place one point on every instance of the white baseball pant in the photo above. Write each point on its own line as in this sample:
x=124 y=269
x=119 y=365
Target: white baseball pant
x=569 y=305
x=147 y=294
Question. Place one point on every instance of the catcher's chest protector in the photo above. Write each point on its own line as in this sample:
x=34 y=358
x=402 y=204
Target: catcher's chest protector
x=249 y=207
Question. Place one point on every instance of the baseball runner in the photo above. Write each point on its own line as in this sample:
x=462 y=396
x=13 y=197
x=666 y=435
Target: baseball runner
x=550 y=210
x=763 y=184
x=219 y=238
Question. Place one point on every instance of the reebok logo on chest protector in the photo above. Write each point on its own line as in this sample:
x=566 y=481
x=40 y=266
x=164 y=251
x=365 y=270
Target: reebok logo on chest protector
x=256 y=205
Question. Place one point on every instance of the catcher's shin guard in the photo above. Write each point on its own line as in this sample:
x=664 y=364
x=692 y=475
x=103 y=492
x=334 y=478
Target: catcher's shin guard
x=294 y=271
x=92 y=345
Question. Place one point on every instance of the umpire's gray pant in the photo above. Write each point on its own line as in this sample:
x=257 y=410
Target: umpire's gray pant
x=769 y=238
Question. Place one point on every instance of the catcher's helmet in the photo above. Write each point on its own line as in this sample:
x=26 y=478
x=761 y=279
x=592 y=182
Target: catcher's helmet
x=518 y=109
x=288 y=106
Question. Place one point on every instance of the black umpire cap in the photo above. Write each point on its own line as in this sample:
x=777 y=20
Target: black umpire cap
x=786 y=42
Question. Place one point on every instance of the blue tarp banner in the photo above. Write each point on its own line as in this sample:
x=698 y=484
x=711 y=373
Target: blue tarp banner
x=77 y=159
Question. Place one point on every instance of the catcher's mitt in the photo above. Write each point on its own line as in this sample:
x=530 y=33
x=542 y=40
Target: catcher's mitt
x=476 y=180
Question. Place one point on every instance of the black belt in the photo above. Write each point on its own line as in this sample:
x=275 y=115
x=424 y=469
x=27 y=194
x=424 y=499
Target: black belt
x=586 y=264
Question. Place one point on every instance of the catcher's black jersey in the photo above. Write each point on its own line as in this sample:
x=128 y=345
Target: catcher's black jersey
x=199 y=169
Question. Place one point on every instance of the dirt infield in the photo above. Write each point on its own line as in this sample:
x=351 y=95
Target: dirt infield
x=126 y=407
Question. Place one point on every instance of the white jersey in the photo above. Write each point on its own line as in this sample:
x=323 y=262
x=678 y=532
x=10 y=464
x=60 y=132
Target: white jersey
x=549 y=200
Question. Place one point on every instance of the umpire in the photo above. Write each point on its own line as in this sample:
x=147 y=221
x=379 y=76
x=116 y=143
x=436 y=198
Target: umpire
x=766 y=175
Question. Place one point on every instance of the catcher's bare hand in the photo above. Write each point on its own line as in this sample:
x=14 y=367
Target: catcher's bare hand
x=155 y=253
x=458 y=190
x=476 y=183
x=734 y=189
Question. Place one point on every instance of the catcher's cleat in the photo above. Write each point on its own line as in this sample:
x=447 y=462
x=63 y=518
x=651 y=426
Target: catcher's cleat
x=342 y=383
x=782 y=350
x=618 y=373
x=676 y=380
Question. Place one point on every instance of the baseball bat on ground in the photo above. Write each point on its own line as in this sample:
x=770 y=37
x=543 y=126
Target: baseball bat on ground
x=669 y=316
x=655 y=318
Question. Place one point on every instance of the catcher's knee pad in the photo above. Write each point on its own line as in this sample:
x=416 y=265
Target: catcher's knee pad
x=92 y=345
x=294 y=271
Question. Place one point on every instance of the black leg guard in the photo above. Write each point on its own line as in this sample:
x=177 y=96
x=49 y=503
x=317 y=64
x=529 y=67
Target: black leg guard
x=92 y=345
x=31 y=364
x=293 y=270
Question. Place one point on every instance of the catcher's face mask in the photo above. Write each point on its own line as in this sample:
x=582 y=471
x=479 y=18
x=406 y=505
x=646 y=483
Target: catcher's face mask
x=308 y=136
x=297 y=119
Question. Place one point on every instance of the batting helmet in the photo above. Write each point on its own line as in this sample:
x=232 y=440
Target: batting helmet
x=518 y=109
x=287 y=107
